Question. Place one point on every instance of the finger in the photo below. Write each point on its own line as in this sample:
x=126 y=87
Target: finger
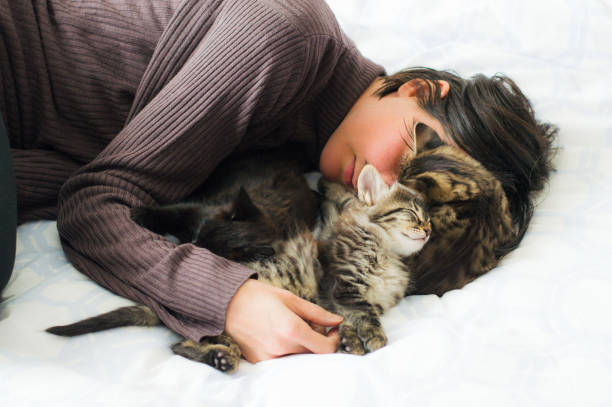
x=314 y=341
x=313 y=313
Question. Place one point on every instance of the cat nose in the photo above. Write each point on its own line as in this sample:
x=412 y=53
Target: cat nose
x=427 y=229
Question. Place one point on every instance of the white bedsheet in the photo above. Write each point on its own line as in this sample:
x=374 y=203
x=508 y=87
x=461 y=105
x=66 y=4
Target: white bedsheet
x=536 y=331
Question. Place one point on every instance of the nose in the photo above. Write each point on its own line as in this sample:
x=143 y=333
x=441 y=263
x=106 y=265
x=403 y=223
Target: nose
x=389 y=177
x=427 y=229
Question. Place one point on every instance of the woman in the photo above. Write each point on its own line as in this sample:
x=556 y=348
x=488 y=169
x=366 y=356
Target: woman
x=115 y=105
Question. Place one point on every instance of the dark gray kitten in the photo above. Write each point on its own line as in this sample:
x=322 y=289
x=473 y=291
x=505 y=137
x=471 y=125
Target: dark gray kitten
x=247 y=204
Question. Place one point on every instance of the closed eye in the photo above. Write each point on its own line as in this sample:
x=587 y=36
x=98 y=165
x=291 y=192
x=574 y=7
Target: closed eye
x=391 y=212
x=412 y=216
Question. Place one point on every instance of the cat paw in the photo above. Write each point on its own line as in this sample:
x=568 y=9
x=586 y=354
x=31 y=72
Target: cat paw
x=374 y=338
x=350 y=341
x=219 y=356
x=223 y=360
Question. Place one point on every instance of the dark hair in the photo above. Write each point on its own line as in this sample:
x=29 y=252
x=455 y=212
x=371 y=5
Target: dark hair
x=493 y=121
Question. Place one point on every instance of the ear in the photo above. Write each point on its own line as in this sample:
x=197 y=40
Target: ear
x=414 y=86
x=426 y=138
x=371 y=187
x=244 y=209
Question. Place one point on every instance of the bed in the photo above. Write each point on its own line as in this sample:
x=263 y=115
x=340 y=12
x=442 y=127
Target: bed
x=535 y=331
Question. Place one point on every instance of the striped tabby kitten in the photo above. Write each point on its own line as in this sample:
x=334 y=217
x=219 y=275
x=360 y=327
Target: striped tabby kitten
x=360 y=258
x=362 y=249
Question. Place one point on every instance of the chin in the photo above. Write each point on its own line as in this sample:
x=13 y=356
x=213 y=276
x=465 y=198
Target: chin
x=407 y=247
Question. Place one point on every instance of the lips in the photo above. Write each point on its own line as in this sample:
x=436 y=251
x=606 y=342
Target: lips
x=348 y=174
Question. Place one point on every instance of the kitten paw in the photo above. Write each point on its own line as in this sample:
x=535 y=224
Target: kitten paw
x=219 y=356
x=223 y=360
x=374 y=339
x=350 y=342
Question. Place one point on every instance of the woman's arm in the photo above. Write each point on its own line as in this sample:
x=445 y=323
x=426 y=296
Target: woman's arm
x=240 y=72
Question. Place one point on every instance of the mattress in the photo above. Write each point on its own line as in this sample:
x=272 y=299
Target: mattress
x=535 y=331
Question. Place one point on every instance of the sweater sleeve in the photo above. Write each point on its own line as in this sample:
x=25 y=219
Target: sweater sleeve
x=245 y=68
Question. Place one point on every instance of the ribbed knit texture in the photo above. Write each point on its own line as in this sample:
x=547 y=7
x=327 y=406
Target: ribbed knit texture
x=129 y=103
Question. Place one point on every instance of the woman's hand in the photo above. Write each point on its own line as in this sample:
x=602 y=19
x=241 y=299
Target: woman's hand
x=268 y=322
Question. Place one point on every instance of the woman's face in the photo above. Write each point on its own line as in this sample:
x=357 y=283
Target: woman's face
x=379 y=132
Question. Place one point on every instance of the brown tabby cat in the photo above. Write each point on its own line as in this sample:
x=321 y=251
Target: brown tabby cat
x=470 y=216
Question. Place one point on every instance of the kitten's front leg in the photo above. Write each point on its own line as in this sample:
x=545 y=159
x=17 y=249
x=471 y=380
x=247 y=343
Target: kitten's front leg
x=361 y=330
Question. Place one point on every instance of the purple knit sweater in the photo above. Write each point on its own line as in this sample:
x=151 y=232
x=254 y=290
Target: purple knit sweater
x=121 y=103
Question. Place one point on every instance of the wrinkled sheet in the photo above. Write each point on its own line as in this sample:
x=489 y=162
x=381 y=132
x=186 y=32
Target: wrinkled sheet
x=535 y=331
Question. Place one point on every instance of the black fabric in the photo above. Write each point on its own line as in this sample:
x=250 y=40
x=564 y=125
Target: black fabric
x=8 y=209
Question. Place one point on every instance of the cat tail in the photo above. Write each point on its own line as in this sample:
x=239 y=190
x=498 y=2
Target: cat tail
x=136 y=315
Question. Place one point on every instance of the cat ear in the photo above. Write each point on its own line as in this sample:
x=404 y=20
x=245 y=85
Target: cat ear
x=426 y=138
x=371 y=188
x=243 y=208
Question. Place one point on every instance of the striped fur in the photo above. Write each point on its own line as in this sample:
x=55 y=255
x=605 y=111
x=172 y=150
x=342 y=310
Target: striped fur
x=363 y=254
x=472 y=225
